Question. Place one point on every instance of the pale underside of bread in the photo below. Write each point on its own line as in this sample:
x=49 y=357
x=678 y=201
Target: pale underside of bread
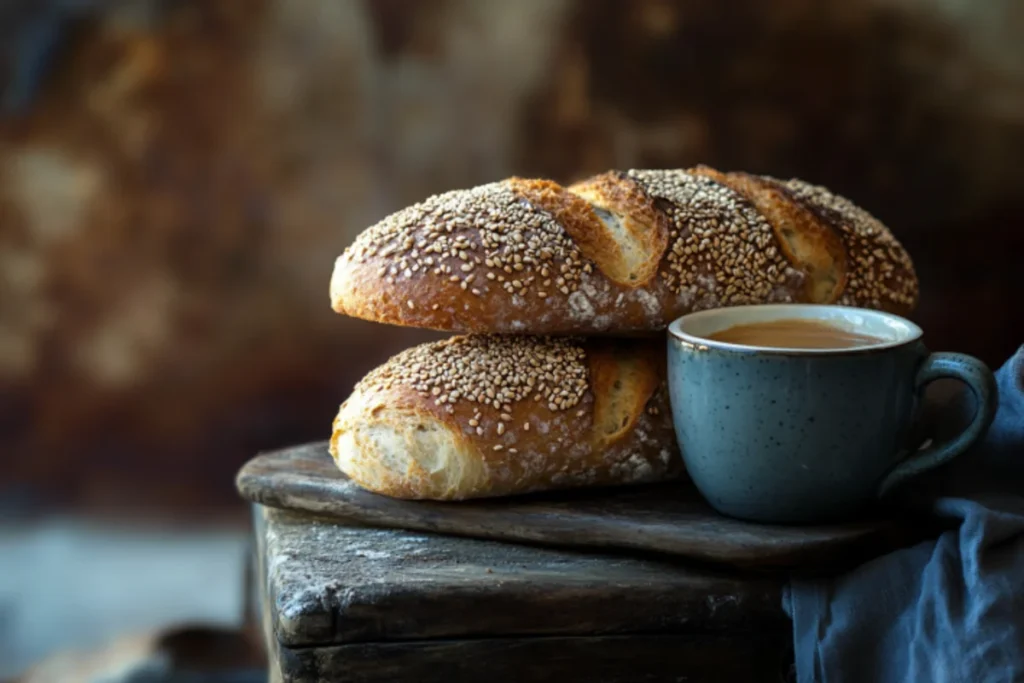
x=403 y=442
x=618 y=253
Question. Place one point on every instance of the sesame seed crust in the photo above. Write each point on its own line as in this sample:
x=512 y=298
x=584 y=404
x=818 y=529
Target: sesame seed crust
x=473 y=250
x=882 y=273
x=622 y=252
x=512 y=413
x=492 y=371
x=721 y=251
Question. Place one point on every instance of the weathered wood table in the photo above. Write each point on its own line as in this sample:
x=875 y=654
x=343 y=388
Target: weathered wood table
x=632 y=584
x=669 y=518
x=364 y=605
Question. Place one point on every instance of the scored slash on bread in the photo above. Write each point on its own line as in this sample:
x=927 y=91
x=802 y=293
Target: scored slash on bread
x=618 y=253
x=492 y=415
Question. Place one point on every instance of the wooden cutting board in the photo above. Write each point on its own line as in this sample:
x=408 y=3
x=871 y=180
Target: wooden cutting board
x=664 y=518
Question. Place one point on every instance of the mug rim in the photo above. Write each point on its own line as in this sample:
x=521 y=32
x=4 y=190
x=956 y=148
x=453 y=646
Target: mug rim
x=676 y=332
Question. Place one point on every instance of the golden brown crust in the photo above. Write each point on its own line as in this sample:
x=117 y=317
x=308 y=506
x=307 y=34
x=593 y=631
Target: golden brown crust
x=496 y=263
x=619 y=253
x=807 y=241
x=633 y=260
x=623 y=382
x=402 y=434
x=364 y=293
x=570 y=211
x=880 y=273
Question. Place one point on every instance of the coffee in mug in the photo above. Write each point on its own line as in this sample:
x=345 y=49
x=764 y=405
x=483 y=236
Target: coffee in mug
x=802 y=413
x=794 y=333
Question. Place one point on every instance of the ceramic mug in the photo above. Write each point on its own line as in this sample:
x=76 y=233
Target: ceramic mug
x=794 y=435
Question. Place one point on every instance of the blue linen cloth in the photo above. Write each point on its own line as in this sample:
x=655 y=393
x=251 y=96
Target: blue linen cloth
x=945 y=610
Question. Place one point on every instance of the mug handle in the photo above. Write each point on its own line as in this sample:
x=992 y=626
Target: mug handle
x=976 y=375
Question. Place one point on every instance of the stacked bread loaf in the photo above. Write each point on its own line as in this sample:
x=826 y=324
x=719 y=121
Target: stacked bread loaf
x=561 y=295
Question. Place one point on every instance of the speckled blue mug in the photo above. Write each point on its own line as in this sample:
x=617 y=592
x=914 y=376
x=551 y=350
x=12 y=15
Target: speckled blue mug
x=808 y=435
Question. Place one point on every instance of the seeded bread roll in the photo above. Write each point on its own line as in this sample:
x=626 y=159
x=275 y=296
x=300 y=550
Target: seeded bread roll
x=494 y=415
x=618 y=253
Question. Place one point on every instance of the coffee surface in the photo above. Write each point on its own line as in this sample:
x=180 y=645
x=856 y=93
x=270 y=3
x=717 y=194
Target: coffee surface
x=793 y=334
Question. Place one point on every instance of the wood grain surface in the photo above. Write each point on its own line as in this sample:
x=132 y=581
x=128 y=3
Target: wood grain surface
x=337 y=584
x=347 y=603
x=649 y=658
x=667 y=518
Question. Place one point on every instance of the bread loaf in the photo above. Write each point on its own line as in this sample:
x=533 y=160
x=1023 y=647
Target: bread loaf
x=621 y=252
x=492 y=415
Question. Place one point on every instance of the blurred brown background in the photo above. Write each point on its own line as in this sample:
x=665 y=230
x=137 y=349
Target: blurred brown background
x=177 y=177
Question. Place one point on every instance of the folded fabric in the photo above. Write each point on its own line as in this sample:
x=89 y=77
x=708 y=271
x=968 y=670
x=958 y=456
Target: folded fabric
x=950 y=609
